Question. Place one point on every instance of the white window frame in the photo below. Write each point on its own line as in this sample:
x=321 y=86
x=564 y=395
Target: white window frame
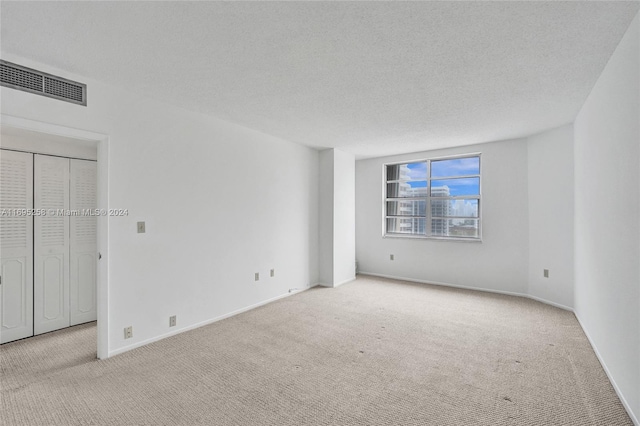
x=428 y=214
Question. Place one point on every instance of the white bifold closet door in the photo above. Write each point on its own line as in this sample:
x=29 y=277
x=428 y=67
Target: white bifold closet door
x=65 y=243
x=83 y=244
x=16 y=246
x=51 y=249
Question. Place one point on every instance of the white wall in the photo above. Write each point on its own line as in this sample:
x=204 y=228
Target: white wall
x=326 y=217
x=220 y=202
x=344 y=218
x=499 y=263
x=337 y=217
x=550 y=156
x=607 y=217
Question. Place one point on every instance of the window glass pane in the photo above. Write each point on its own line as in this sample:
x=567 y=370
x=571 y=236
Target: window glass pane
x=455 y=167
x=411 y=226
x=410 y=171
x=463 y=228
x=407 y=189
x=407 y=208
x=393 y=172
x=464 y=208
x=454 y=187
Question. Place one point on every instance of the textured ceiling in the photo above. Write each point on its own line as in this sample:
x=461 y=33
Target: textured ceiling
x=373 y=79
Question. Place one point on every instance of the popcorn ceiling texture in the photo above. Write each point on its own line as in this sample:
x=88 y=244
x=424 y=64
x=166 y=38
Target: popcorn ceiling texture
x=371 y=352
x=372 y=79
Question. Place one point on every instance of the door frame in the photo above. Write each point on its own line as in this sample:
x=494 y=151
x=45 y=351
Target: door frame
x=102 y=279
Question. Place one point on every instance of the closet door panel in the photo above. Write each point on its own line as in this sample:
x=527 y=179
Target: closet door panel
x=51 y=280
x=16 y=246
x=83 y=242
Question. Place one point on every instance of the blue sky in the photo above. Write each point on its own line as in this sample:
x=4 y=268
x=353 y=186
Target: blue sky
x=456 y=167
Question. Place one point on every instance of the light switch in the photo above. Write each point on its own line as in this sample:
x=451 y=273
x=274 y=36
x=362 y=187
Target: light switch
x=141 y=228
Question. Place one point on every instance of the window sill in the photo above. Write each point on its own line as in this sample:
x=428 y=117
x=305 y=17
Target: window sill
x=422 y=237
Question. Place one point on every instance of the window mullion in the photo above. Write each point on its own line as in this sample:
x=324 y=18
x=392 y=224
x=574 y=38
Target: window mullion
x=427 y=227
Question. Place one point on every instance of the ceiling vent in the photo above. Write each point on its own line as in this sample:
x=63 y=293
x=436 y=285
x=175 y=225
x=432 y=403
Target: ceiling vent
x=38 y=82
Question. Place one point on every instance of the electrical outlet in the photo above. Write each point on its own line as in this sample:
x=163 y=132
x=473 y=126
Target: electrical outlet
x=273 y=273
x=141 y=228
x=392 y=257
x=257 y=276
x=546 y=273
x=172 y=321
x=128 y=332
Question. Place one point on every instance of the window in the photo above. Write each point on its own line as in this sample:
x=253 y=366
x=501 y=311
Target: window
x=434 y=198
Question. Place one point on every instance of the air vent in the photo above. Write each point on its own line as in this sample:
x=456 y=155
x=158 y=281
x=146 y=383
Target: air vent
x=38 y=82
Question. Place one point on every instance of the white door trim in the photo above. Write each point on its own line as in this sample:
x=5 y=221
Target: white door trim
x=102 y=142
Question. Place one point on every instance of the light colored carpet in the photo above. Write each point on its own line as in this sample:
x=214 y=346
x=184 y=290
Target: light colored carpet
x=372 y=352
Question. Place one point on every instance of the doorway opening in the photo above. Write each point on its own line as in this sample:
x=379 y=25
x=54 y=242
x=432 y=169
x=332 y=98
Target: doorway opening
x=58 y=277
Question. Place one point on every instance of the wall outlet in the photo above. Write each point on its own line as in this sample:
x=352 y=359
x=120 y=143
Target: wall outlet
x=257 y=276
x=128 y=332
x=172 y=321
x=273 y=273
x=141 y=228
x=392 y=257
x=546 y=273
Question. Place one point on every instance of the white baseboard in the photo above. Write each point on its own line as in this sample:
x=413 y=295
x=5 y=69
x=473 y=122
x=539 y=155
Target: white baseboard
x=443 y=284
x=549 y=302
x=487 y=290
x=207 y=322
x=336 y=285
x=345 y=281
x=626 y=405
